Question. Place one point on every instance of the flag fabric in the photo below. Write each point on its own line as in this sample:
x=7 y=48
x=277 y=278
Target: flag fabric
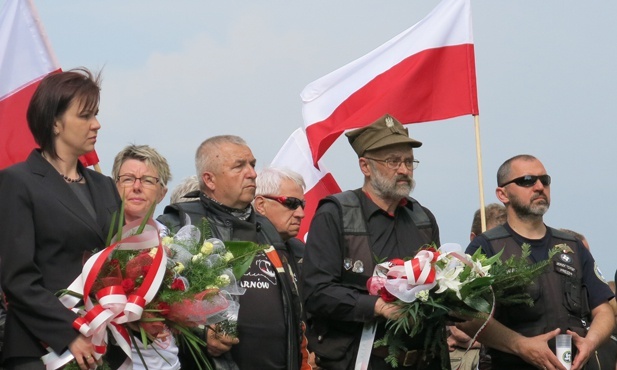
x=26 y=57
x=426 y=73
x=295 y=155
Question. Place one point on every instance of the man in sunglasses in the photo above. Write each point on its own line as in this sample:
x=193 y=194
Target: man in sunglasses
x=270 y=326
x=352 y=230
x=569 y=295
x=280 y=198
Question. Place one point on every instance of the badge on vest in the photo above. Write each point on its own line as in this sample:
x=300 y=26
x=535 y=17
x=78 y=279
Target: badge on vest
x=565 y=258
x=357 y=267
x=563 y=265
x=564 y=248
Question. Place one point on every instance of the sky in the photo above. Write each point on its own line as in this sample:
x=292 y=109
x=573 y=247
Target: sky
x=176 y=73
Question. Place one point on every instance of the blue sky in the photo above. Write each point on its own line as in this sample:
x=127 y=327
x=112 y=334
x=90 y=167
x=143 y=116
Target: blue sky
x=176 y=73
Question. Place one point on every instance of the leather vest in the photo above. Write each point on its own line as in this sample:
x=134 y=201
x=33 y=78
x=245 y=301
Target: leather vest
x=260 y=230
x=559 y=297
x=356 y=238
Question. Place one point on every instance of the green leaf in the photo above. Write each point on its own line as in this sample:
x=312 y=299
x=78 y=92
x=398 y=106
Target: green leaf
x=478 y=304
x=244 y=253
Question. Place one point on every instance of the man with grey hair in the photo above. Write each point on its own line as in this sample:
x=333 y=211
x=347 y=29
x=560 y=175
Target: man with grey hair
x=349 y=233
x=567 y=296
x=270 y=328
x=185 y=191
x=280 y=198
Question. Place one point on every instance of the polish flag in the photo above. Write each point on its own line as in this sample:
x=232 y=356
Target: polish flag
x=426 y=73
x=296 y=155
x=26 y=58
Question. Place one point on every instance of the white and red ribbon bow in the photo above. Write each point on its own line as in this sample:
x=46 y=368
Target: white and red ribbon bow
x=113 y=307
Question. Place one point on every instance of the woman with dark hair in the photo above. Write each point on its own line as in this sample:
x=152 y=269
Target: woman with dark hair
x=53 y=212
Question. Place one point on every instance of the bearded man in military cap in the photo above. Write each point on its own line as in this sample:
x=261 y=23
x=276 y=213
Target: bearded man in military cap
x=349 y=233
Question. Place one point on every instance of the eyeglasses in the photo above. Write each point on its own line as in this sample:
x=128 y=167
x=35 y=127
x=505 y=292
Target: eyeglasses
x=289 y=202
x=146 y=181
x=395 y=163
x=528 y=181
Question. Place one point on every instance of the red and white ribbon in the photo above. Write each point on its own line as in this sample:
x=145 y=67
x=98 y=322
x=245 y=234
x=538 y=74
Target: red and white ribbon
x=112 y=307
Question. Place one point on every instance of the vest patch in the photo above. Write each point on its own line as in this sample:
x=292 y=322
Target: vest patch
x=564 y=269
x=596 y=269
x=565 y=258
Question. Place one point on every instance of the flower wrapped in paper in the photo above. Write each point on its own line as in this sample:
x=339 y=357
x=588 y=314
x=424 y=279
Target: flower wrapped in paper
x=151 y=285
x=439 y=282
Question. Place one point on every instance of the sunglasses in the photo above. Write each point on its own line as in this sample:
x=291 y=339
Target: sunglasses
x=289 y=202
x=528 y=181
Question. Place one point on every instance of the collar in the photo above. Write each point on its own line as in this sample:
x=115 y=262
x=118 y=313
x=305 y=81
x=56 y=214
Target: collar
x=372 y=207
x=241 y=214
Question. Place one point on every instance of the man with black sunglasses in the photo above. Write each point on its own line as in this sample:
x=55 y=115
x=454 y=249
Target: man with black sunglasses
x=349 y=233
x=569 y=295
x=280 y=198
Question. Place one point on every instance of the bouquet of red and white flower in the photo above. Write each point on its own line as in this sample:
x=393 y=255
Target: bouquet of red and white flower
x=438 y=283
x=145 y=284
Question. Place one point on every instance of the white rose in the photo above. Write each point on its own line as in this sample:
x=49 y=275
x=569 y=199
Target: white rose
x=207 y=248
x=198 y=257
x=178 y=268
x=223 y=280
x=228 y=257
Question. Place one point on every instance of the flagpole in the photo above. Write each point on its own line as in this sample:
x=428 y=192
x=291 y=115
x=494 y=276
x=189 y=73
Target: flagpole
x=476 y=119
x=97 y=168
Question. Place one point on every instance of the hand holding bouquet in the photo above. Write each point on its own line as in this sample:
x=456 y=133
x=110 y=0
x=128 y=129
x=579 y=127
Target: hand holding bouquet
x=437 y=283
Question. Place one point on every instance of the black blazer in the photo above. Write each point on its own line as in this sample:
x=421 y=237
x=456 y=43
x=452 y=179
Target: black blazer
x=44 y=233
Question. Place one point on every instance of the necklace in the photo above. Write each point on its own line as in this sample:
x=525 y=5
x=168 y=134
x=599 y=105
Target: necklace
x=68 y=179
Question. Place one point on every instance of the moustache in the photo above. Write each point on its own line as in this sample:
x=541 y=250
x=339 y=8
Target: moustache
x=539 y=196
x=404 y=178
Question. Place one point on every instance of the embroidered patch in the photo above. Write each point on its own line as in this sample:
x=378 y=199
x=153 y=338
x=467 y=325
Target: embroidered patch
x=596 y=269
x=565 y=258
x=564 y=269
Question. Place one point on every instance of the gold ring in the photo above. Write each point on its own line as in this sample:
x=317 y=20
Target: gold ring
x=88 y=357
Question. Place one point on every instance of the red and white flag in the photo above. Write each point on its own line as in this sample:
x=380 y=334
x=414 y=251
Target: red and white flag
x=426 y=73
x=295 y=154
x=25 y=58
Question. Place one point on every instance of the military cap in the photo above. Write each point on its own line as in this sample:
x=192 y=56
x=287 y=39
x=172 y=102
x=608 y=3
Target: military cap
x=386 y=131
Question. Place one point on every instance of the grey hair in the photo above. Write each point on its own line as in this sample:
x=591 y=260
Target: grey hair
x=187 y=185
x=269 y=180
x=503 y=173
x=146 y=154
x=207 y=158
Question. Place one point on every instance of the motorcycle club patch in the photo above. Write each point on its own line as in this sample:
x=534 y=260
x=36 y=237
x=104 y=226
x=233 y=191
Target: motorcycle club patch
x=563 y=265
x=565 y=258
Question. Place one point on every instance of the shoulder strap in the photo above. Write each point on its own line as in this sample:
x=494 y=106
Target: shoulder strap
x=194 y=210
x=561 y=235
x=417 y=214
x=351 y=212
x=498 y=232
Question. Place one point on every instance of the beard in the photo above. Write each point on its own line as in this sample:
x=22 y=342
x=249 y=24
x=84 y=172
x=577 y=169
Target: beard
x=531 y=210
x=389 y=188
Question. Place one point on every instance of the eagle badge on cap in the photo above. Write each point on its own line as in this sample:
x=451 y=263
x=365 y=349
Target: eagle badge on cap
x=389 y=122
